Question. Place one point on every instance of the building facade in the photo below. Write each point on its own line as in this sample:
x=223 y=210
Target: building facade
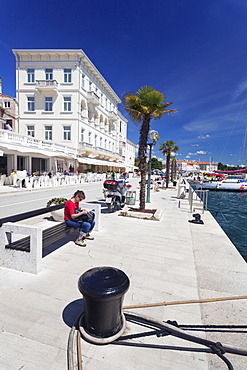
x=8 y=111
x=64 y=100
x=195 y=166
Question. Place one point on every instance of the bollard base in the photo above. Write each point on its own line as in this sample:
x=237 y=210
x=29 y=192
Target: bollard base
x=96 y=340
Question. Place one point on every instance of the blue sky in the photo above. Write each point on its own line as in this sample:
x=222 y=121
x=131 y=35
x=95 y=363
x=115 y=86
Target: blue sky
x=193 y=51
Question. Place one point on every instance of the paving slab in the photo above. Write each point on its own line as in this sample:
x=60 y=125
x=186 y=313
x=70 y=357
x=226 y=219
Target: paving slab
x=166 y=261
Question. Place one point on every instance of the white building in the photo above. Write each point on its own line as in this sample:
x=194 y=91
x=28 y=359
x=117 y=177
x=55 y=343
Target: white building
x=8 y=108
x=195 y=166
x=65 y=102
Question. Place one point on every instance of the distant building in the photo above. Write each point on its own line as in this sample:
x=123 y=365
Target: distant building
x=195 y=166
x=207 y=166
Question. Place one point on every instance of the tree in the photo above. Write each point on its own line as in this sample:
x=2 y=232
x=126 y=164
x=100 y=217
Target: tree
x=156 y=164
x=167 y=147
x=145 y=105
x=173 y=167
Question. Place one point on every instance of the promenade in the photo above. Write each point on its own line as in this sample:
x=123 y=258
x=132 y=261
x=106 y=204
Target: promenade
x=167 y=260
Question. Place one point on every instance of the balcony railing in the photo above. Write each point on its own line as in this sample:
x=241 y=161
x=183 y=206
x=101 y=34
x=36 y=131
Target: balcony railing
x=93 y=98
x=46 y=85
x=112 y=116
x=12 y=140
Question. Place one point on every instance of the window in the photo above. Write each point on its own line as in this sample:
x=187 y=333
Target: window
x=66 y=133
x=7 y=104
x=30 y=75
x=90 y=86
x=82 y=134
x=48 y=132
x=49 y=74
x=120 y=127
x=83 y=81
x=90 y=137
x=67 y=103
x=95 y=140
x=100 y=142
x=21 y=163
x=30 y=130
x=105 y=143
x=48 y=103
x=30 y=103
x=67 y=75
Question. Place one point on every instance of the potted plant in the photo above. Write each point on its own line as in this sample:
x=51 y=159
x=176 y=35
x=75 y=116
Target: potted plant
x=55 y=201
x=57 y=214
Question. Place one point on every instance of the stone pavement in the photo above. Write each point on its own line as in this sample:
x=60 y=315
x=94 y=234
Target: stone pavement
x=168 y=260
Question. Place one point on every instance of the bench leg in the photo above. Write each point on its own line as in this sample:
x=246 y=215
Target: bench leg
x=19 y=260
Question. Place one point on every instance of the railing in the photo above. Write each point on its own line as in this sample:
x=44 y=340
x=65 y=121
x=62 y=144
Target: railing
x=112 y=116
x=198 y=199
x=46 y=83
x=11 y=137
x=93 y=98
x=83 y=145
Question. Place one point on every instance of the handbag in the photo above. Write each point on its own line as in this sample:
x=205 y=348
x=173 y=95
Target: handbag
x=87 y=217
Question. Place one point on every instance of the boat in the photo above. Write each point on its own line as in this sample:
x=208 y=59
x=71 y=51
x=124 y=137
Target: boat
x=230 y=183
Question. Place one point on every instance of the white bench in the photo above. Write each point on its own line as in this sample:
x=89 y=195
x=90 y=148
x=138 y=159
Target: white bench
x=31 y=261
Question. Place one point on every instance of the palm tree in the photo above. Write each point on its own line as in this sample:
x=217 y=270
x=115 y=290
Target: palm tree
x=145 y=105
x=173 y=167
x=167 y=147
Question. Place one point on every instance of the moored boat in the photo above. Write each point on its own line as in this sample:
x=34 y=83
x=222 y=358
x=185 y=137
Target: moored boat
x=235 y=183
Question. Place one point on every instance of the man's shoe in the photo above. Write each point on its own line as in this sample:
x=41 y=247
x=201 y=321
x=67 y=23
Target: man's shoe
x=89 y=237
x=80 y=242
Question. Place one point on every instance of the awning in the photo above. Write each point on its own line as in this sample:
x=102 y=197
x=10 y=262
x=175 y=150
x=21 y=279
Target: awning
x=99 y=162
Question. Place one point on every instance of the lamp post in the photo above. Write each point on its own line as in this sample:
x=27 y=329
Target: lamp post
x=154 y=137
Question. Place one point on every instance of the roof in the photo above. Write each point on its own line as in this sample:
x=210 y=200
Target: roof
x=6 y=96
x=81 y=56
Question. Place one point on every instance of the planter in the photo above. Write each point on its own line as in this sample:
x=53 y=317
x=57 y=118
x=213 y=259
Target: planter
x=58 y=215
x=143 y=215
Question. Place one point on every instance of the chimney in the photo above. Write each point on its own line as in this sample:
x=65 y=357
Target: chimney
x=0 y=85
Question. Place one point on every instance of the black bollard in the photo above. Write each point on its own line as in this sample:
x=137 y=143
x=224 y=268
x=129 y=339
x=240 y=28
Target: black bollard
x=197 y=219
x=103 y=290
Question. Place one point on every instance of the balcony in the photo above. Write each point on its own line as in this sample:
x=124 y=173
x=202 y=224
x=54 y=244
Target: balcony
x=112 y=116
x=85 y=149
x=28 y=144
x=93 y=98
x=46 y=85
x=102 y=153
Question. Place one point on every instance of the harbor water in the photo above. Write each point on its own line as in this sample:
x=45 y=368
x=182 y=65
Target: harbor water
x=230 y=211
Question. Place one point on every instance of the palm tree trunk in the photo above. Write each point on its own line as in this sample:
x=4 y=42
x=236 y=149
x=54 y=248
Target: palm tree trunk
x=167 y=169
x=142 y=154
x=172 y=170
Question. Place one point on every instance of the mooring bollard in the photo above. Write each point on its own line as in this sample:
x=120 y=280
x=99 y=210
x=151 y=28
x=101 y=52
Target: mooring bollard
x=103 y=290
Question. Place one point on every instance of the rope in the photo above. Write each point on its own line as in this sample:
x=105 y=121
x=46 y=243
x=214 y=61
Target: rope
x=79 y=353
x=184 y=302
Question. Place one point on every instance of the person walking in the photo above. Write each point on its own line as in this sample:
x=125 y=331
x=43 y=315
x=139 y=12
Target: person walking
x=71 y=218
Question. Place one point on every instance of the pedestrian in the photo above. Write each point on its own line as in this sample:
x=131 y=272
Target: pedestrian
x=13 y=173
x=155 y=185
x=8 y=127
x=70 y=217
